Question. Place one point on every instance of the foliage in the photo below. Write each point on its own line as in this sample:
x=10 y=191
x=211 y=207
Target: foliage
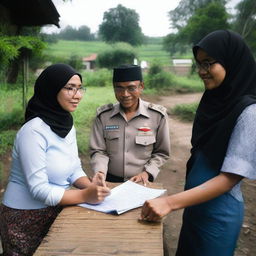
x=9 y=120
x=245 y=18
x=186 y=84
x=75 y=61
x=121 y=24
x=155 y=68
x=6 y=140
x=12 y=48
x=115 y=55
x=11 y=115
x=185 y=111
x=162 y=80
x=101 y=78
x=202 y=23
x=63 y=49
x=158 y=78
x=245 y=22
x=186 y=9
x=196 y=24
x=153 y=40
x=83 y=33
x=49 y=38
x=7 y=51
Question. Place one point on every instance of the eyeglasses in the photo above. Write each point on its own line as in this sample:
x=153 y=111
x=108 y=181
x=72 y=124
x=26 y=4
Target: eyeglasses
x=204 y=65
x=130 y=89
x=72 y=91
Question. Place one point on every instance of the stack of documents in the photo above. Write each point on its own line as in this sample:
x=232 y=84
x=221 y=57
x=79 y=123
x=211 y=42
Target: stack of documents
x=125 y=197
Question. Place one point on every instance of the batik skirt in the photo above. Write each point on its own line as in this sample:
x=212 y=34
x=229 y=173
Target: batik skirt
x=22 y=231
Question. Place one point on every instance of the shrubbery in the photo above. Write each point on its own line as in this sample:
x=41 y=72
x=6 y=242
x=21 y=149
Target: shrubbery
x=186 y=112
x=116 y=55
x=158 y=78
x=100 y=78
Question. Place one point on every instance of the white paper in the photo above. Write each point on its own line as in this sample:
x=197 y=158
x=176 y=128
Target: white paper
x=127 y=196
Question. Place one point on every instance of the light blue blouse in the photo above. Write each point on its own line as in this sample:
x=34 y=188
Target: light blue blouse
x=241 y=154
x=43 y=166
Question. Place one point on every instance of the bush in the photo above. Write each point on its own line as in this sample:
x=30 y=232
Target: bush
x=155 y=68
x=6 y=140
x=162 y=80
x=186 y=112
x=100 y=78
x=116 y=55
x=12 y=119
x=75 y=61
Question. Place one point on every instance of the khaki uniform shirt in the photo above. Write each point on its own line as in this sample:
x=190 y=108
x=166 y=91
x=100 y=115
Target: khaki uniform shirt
x=126 y=148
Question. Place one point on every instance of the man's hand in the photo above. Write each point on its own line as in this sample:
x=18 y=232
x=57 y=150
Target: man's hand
x=142 y=177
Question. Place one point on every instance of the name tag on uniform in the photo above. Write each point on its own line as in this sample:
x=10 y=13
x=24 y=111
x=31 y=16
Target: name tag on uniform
x=144 y=131
x=111 y=127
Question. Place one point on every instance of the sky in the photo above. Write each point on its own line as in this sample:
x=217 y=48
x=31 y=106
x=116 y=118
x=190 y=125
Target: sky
x=153 y=14
x=154 y=19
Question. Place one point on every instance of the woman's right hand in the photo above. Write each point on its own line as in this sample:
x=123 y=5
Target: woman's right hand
x=155 y=209
x=95 y=194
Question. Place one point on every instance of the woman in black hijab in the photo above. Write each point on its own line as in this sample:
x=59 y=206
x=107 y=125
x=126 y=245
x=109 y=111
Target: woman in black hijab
x=45 y=163
x=223 y=150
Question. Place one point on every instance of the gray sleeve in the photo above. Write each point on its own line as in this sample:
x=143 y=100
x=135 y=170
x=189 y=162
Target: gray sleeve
x=99 y=158
x=161 y=152
x=241 y=153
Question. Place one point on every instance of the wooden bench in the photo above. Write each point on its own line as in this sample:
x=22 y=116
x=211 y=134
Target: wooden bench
x=79 y=231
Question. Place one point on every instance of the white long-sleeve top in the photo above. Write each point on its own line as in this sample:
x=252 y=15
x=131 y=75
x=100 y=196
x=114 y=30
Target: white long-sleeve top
x=43 y=166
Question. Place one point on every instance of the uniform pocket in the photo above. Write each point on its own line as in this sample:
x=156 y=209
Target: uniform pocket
x=145 y=140
x=145 y=145
x=112 y=140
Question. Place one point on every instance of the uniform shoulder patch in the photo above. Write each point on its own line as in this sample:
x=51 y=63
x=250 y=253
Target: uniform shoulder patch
x=104 y=108
x=158 y=108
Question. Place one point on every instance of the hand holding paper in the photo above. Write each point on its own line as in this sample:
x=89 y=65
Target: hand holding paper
x=125 y=197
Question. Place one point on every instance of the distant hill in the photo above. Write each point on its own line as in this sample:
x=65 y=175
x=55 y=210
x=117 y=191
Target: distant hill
x=148 y=52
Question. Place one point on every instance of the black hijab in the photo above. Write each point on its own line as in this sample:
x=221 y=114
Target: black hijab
x=219 y=108
x=44 y=102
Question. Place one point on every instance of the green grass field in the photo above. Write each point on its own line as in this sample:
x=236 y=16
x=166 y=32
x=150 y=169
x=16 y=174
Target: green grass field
x=64 y=48
x=11 y=113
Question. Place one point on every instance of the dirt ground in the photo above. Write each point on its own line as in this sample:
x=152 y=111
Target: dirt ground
x=172 y=177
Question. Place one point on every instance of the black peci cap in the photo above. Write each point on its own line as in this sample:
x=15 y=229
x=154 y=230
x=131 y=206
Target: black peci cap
x=126 y=73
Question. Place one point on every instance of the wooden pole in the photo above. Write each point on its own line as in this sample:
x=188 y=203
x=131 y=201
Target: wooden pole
x=25 y=81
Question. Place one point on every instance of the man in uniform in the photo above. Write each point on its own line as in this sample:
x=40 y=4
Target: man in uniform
x=129 y=139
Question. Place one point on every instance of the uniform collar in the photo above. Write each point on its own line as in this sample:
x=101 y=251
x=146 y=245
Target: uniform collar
x=142 y=110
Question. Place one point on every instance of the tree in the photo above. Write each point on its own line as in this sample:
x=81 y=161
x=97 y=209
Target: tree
x=245 y=22
x=83 y=33
x=210 y=16
x=13 y=50
x=202 y=22
x=186 y=9
x=121 y=24
x=115 y=55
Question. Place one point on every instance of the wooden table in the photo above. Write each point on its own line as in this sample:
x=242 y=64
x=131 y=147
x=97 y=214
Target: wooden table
x=79 y=231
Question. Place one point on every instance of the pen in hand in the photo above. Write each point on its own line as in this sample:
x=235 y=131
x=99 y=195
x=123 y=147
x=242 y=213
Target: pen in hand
x=99 y=179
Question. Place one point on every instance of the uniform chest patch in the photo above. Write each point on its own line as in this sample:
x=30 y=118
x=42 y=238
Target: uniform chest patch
x=111 y=127
x=145 y=130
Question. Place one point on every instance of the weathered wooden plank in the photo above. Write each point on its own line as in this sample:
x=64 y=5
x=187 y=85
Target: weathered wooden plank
x=79 y=231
